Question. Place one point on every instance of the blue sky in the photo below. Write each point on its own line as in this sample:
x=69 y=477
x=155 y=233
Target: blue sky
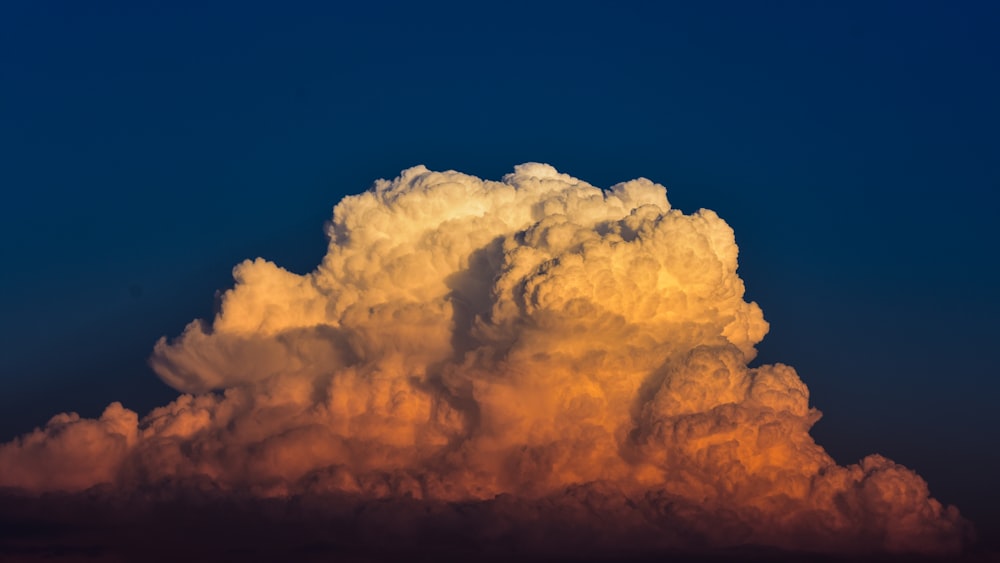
x=853 y=147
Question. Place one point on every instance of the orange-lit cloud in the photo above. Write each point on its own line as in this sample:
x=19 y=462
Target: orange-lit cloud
x=537 y=340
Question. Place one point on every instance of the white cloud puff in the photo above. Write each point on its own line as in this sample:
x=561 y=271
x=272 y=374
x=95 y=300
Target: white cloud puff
x=466 y=339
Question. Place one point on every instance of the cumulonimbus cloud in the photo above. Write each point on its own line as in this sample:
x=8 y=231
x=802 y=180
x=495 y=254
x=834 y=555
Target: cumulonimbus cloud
x=528 y=339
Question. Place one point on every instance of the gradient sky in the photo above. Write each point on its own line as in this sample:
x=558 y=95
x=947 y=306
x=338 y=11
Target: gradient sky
x=145 y=150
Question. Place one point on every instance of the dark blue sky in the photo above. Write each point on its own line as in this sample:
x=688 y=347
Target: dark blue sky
x=854 y=148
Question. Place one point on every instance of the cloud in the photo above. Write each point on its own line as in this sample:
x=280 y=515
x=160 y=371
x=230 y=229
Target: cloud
x=537 y=346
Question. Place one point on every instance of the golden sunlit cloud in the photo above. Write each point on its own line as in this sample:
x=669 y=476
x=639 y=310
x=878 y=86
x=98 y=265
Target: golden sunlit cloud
x=529 y=342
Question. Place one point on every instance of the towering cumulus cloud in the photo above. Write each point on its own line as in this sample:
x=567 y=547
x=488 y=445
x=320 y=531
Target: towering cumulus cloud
x=533 y=348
